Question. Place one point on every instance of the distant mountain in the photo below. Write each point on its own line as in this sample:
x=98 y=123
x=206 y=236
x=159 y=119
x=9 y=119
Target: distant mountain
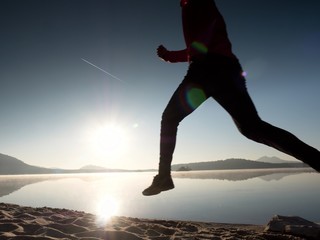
x=10 y=165
x=235 y=164
x=273 y=160
x=13 y=166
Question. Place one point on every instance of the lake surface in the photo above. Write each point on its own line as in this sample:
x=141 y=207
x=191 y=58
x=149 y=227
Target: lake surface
x=233 y=196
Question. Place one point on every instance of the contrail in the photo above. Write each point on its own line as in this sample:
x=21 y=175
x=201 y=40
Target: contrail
x=113 y=76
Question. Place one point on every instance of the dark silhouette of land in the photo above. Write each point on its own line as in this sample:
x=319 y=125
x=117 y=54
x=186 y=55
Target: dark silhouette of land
x=276 y=169
x=10 y=165
x=13 y=166
x=234 y=163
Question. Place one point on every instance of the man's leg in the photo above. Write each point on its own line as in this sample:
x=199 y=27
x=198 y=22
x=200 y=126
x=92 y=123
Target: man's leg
x=188 y=97
x=184 y=101
x=238 y=103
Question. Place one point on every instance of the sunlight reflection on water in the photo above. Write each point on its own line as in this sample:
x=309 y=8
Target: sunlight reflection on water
x=106 y=207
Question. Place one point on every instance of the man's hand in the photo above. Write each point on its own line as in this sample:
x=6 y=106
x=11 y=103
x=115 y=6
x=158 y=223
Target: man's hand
x=172 y=56
x=163 y=53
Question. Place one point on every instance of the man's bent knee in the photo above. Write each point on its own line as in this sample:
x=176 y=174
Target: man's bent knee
x=253 y=131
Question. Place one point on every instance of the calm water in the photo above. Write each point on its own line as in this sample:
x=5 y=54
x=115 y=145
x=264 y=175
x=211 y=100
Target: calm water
x=251 y=196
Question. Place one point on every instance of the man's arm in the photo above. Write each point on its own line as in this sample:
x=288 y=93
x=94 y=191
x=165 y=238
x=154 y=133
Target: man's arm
x=197 y=49
x=173 y=56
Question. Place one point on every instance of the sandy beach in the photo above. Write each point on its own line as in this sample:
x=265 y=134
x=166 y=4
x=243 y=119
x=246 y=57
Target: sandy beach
x=18 y=222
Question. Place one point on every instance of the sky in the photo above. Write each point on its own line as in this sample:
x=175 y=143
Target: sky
x=81 y=84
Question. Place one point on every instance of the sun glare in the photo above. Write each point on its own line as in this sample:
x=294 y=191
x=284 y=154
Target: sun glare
x=106 y=209
x=109 y=140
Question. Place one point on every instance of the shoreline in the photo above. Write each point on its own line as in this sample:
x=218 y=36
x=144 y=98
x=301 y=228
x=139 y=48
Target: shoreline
x=66 y=172
x=19 y=222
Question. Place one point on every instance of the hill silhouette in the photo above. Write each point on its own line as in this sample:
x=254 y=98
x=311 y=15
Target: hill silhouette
x=235 y=163
x=10 y=165
x=13 y=166
x=273 y=160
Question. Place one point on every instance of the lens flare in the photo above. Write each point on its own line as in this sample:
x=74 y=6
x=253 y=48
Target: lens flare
x=200 y=47
x=194 y=97
x=244 y=74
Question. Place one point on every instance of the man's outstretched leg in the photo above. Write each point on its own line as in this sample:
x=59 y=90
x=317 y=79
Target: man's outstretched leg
x=240 y=106
x=283 y=141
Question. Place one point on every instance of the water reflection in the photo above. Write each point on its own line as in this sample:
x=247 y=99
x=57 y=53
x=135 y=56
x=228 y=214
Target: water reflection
x=241 y=175
x=12 y=183
x=235 y=196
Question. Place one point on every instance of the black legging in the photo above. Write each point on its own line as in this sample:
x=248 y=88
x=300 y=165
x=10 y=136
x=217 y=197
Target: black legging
x=222 y=79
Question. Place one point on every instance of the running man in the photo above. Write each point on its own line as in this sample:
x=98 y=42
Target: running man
x=214 y=71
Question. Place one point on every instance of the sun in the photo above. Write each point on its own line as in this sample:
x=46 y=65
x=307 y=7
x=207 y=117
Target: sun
x=109 y=140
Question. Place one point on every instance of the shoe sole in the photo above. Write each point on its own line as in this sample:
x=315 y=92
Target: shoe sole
x=156 y=191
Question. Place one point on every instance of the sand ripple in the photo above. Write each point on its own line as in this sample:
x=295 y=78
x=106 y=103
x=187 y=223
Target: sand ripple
x=17 y=222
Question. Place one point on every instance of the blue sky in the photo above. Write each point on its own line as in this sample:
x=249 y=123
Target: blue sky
x=59 y=111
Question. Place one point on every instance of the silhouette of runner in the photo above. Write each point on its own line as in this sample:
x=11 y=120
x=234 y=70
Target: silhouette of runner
x=214 y=71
